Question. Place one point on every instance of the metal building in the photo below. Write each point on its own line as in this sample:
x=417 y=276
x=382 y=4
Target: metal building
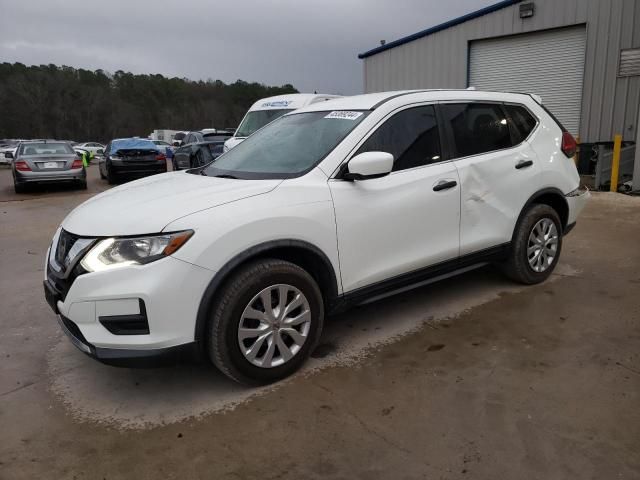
x=581 y=56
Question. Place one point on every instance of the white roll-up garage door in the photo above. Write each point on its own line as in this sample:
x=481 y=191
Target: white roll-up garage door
x=549 y=64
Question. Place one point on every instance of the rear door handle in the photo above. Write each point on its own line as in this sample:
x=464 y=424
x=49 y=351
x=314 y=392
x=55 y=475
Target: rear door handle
x=444 y=185
x=523 y=164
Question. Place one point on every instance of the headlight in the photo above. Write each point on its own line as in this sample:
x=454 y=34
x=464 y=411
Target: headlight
x=111 y=253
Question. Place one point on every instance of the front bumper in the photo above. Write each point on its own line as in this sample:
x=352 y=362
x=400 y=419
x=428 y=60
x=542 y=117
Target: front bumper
x=156 y=304
x=121 y=357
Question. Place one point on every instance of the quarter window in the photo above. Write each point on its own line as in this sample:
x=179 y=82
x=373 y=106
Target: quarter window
x=411 y=136
x=477 y=127
x=522 y=122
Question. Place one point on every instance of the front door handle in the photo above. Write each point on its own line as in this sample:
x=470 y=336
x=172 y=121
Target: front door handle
x=444 y=185
x=523 y=164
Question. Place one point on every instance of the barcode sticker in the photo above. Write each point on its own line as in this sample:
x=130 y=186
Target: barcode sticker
x=344 y=115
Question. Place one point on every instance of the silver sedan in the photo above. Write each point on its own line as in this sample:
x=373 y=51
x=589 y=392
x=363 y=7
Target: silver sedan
x=46 y=162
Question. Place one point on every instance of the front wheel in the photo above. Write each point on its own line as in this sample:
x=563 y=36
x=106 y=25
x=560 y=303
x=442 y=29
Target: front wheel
x=536 y=246
x=112 y=179
x=265 y=322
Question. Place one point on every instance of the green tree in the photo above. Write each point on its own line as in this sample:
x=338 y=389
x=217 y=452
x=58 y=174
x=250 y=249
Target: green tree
x=49 y=101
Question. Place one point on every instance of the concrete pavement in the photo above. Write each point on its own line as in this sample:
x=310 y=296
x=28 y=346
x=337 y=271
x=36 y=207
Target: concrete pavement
x=471 y=378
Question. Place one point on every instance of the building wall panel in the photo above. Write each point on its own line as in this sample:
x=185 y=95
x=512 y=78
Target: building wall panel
x=610 y=103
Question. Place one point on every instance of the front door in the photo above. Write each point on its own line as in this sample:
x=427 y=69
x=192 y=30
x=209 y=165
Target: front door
x=407 y=220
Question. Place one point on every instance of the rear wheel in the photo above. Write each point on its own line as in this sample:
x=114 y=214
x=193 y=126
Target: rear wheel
x=265 y=322
x=82 y=185
x=19 y=187
x=536 y=246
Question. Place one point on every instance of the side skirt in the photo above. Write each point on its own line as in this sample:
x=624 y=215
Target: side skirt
x=418 y=278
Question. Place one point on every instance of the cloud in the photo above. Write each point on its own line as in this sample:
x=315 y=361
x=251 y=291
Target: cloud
x=311 y=44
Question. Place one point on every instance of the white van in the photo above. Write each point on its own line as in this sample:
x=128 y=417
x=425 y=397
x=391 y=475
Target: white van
x=268 y=109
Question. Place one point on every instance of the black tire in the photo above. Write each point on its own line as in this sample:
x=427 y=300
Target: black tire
x=226 y=312
x=82 y=185
x=19 y=187
x=112 y=178
x=101 y=174
x=517 y=266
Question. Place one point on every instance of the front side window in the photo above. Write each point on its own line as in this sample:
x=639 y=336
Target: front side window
x=287 y=147
x=411 y=136
x=477 y=127
x=257 y=119
x=522 y=122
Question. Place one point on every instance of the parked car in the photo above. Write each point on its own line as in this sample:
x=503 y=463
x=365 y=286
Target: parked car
x=40 y=162
x=209 y=134
x=198 y=154
x=268 y=109
x=163 y=146
x=336 y=204
x=131 y=157
x=92 y=147
x=8 y=145
x=178 y=137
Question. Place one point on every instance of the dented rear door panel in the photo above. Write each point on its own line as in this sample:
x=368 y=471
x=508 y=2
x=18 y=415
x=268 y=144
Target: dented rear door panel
x=493 y=194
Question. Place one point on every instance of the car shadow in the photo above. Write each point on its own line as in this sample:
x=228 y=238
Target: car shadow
x=138 y=398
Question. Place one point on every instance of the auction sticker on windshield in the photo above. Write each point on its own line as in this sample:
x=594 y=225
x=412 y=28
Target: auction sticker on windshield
x=344 y=115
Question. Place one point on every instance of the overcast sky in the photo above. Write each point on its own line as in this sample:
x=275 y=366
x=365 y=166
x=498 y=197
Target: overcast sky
x=312 y=44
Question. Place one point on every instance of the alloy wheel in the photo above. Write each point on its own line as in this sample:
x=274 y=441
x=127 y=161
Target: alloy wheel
x=274 y=326
x=542 y=246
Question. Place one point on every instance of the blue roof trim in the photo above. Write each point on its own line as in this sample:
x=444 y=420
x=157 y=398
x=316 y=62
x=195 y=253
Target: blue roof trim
x=442 y=26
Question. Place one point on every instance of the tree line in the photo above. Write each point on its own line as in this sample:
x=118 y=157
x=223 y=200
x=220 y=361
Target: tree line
x=49 y=101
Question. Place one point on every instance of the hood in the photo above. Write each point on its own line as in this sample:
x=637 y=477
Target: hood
x=148 y=205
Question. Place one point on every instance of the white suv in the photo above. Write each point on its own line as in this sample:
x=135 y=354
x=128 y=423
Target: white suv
x=332 y=205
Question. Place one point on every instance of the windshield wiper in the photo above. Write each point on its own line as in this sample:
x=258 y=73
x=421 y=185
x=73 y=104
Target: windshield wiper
x=225 y=175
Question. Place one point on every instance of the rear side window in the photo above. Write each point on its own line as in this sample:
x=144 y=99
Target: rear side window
x=411 y=136
x=476 y=127
x=522 y=122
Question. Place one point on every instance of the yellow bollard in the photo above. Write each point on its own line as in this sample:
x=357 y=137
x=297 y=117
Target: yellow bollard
x=615 y=162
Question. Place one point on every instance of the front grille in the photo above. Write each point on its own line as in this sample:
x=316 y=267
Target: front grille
x=66 y=241
x=63 y=267
x=63 y=284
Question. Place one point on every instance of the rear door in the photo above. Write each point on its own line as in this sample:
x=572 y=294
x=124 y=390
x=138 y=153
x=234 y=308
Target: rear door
x=404 y=221
x=498 y=171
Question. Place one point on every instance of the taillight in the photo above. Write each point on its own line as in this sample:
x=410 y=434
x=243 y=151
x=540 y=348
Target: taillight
x=76 y=164
x=569 y=144
x=161 y=158
x=22 y=166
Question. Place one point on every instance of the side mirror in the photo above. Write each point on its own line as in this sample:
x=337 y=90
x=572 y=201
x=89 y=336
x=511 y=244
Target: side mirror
x=369 y=165
x=8 y=155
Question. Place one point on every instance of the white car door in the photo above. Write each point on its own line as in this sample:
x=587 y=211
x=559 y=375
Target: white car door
x=407 y=220
x=498 y=172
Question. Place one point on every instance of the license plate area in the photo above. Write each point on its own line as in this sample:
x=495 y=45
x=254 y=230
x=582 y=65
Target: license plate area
x=51 y=165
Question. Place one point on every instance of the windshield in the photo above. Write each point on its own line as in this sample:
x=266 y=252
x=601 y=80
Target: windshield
x=288 y=147
x=257 y=119
x=46 y=149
